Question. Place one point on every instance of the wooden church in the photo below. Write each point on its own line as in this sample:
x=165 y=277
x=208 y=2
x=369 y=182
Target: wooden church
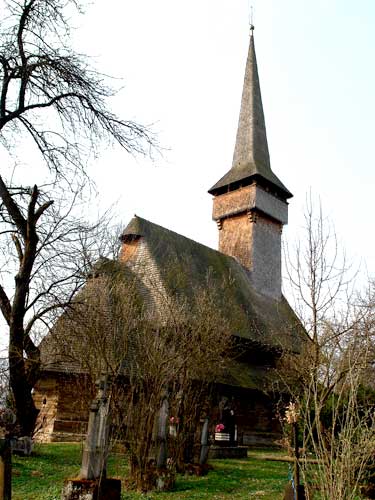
x=250 y=207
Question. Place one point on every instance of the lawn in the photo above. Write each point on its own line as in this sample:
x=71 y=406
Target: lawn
x=41 y=476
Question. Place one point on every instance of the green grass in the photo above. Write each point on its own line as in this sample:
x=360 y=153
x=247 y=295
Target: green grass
x=41 y=477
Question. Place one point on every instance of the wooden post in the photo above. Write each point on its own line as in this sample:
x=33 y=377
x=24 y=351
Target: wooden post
x=291 y=416
x=296 y=465
x=204 y=443
x=5 y=470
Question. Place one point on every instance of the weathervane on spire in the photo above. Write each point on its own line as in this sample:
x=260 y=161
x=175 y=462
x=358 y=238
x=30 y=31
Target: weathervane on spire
x=251 y=19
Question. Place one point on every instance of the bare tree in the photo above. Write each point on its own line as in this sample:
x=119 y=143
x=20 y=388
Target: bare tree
x=176 y=361
x=323 y=288
x=339 y=429
x=325 y=380
x=162 y=363
x=42 y=76
x=59 y=262
x=50 y=95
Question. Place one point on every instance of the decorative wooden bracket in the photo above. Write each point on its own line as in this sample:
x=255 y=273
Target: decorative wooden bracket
x=252 y=216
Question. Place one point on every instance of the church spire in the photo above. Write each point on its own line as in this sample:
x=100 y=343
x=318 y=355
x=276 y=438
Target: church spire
x=251 y=159
x=250 y=203
x=251 y=149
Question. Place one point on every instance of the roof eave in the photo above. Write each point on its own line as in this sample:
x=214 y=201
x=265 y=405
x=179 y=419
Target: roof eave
x=223 y=186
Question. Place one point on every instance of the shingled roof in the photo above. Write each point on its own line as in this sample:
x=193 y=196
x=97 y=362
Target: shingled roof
x=251 y=159
x=183 y=266
x=178 y=266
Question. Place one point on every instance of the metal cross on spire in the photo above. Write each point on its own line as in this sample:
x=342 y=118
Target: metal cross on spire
x=251 y=18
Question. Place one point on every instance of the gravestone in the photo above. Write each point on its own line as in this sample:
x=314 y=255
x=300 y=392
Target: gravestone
x=204 y=443
x=93 y=483
x=22 y=445
x=164 y=478
x=161 y=462
x=94 y=458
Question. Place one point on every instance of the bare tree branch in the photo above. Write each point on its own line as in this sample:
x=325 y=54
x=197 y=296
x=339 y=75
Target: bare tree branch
x=51 y=96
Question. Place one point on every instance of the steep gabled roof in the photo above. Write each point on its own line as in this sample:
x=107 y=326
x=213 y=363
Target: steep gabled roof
x=184 y=266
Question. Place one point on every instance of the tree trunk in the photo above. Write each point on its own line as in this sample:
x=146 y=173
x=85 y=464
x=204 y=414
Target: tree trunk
x=296 y=465
x=23 y=372
x=25 y=409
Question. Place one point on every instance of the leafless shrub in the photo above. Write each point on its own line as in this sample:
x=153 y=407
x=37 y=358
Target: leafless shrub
x=160 y=364
x=326 y=380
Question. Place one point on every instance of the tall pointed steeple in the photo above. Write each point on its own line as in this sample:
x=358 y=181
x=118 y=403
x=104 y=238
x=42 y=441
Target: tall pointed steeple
x=251 y=159
x=250 y=202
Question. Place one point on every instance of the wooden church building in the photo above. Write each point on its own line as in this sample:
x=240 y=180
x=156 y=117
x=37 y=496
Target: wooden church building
x=250 y=208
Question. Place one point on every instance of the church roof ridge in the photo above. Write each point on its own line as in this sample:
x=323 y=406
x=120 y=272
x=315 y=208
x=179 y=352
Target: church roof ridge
x=138 y=227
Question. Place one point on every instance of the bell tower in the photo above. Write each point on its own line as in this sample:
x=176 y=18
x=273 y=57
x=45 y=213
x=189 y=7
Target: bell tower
x=250 y=202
